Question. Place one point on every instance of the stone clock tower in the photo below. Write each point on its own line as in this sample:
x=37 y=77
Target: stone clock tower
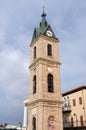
x=45 y=101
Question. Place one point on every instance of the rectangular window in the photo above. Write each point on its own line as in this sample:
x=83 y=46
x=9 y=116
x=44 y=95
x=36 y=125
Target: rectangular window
x=81 y=120
x=80 y=100
x=72 y=123
x=74 y=102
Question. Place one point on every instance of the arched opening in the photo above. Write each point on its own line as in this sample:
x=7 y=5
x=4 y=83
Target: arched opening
x=34 y=123
x=49 y=50
x=34 y=84
x=34 y=52
x=50 y=83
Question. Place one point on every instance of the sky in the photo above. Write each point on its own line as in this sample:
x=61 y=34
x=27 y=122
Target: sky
x=18 y=18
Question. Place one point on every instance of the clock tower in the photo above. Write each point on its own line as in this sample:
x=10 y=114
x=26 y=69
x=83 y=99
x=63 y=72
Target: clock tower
x=45 y=100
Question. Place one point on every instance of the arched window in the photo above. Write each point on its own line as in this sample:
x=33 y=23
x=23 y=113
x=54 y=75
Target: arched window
x=34 y=52
x=34 y=84
x=49 y=50
x=34 y=123
x=50 y=83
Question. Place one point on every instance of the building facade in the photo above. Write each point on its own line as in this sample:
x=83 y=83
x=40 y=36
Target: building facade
x=74 y=108
x=45 y=99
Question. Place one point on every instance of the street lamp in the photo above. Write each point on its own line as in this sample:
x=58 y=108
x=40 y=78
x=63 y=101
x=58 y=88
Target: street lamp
x=76 y=119
x=20 y=125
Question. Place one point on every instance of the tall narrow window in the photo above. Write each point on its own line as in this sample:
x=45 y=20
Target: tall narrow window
x=72 y=122
x=34 y=52
x=34 y=84
x=80 y=100
x=34 y=123
x=50 y=83
x=81 y=120
x=49 y=50
x=74 y=102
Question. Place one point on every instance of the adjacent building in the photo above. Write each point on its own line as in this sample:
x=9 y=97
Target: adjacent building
x=74 y=108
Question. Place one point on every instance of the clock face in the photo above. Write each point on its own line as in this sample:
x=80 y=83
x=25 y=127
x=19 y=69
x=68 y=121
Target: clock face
x=34 y=71
x=50 y=69
x=49 y=33
x=34 y=111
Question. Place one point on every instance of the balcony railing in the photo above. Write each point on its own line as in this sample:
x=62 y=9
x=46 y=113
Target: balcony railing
x=74 y=124
x=66 y=108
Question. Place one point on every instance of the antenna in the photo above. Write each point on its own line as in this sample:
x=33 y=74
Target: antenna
x=43 y=9
x=43 y=5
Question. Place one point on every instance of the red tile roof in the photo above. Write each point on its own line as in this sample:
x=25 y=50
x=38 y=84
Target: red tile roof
x=73 y=90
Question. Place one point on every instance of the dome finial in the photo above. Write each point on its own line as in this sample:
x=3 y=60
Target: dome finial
x=43 y=9
x=43 y=14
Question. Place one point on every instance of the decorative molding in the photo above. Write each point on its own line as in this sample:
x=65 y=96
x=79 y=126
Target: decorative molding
x=45 y=101
x=39 y=60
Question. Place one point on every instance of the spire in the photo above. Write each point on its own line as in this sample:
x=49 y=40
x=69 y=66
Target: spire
x=43 y=27
x=43 y=14
x=43 y=23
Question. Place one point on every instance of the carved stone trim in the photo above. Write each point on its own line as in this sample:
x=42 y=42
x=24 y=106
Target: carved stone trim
x=39 y=60
x=45 y=101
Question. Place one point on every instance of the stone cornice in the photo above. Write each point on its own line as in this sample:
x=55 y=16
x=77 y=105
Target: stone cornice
x=52 y=102
x=44 y=59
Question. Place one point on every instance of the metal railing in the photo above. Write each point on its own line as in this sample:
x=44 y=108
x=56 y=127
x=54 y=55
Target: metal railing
x=66 y=108
x=74 y=124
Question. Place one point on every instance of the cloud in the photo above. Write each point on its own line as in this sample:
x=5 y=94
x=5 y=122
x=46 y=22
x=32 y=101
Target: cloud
x=17 y=21
x=14 y=83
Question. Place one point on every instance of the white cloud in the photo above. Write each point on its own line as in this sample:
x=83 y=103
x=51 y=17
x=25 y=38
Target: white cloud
x=14 y=81
x=17 y=21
